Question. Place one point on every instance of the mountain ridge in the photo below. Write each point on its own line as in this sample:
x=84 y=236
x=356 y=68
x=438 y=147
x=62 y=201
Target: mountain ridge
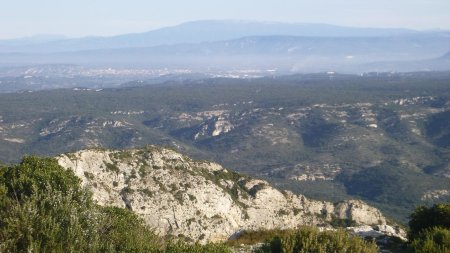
x=201 y=200
x=204 y=31
x=288 y=53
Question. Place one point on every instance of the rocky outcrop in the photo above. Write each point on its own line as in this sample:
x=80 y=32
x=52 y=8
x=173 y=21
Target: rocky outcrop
x=200 y=200
x=378 y=231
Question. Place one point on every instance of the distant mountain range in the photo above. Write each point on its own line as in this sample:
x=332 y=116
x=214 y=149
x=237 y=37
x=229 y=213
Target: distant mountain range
x=195 y=32
x=284 y=53
x=446 y=56
x=26 y=41
x=225 y=45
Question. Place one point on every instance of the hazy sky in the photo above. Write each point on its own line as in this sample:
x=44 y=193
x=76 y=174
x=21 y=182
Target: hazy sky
x=76 y=18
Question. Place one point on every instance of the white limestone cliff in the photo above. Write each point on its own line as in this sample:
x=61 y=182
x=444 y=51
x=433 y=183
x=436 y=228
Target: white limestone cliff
x=200 y=200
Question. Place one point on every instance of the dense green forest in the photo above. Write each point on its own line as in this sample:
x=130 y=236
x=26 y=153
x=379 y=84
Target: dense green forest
x=325 y=136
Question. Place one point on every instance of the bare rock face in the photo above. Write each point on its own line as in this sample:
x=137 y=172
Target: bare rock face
x=359 y=212
x=200 y=200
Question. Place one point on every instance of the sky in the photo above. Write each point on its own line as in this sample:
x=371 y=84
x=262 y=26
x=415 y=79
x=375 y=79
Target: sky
x=79 y=18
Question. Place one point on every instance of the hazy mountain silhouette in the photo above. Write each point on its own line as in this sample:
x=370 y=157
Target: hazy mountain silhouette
x=202 y=31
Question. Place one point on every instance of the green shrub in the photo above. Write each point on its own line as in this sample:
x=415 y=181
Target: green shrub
x=430 y=229
x=311 y=240
x=123 y=231
x=423 y=218
x=181 y=247
x=89 y=175
x=432 y=240
x=112 y=167
x=35 y=175
x=50 y=222
x=250 y=237
x=342 y=223
x=43 y=208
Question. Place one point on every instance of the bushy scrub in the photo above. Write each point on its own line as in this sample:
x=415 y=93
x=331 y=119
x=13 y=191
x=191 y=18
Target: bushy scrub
x=43 y=208
x=181 y=247
x=423 y=218
x=308 y=239
x=430 y=229
x=432 y=240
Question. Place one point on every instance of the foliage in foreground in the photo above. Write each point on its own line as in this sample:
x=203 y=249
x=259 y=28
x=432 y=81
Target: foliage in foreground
x=430 y=229
x=433 y=240
x=424 y=218
x=429 y=233
x=307 y=239
x=43 y=208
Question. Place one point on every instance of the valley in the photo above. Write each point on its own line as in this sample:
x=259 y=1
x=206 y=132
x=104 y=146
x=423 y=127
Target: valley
x=225 y=126
x=380 y=138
